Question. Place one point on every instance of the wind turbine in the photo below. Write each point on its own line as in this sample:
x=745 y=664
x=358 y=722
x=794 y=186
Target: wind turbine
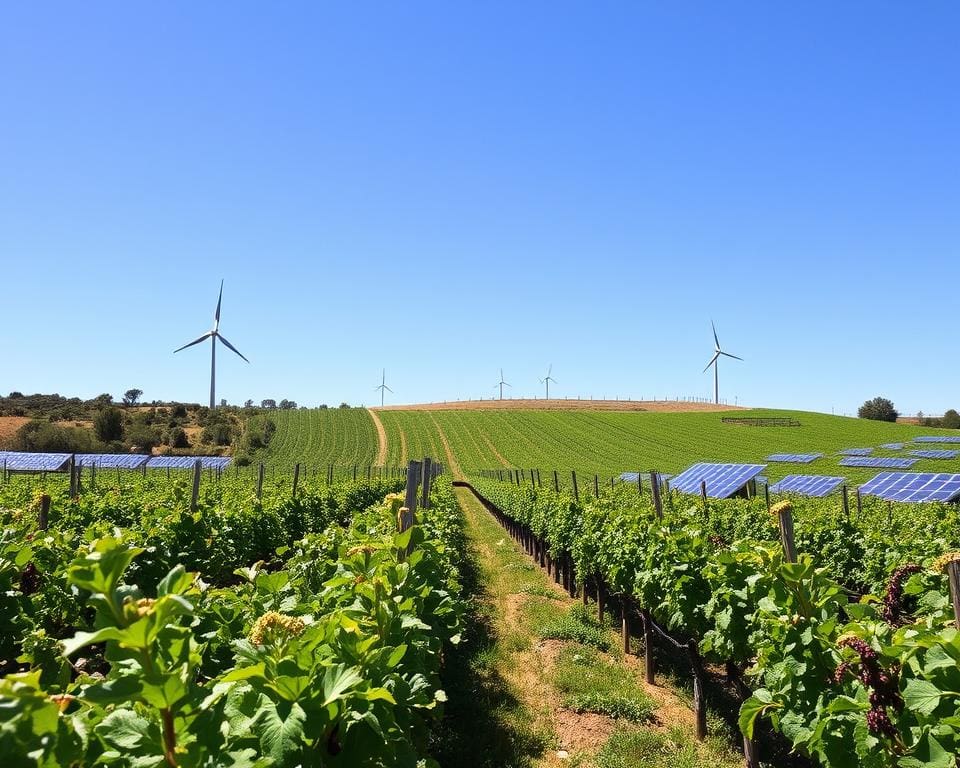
x=214 y=335
x=383 y=385
x=714 y=362
x=501 y=384
x=548 y=379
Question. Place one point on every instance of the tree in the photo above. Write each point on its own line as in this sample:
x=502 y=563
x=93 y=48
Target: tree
x=248 y=404
x=950 y=420
x=131 y=396
x=878 y=409
x=268 y=403
x=287 y=405
x=108 y=425
x=177 y=438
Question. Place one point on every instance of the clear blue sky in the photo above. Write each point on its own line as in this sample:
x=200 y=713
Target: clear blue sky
x=444 y=189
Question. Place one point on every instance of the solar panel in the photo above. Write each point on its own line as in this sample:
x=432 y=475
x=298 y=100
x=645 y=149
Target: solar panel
x=112 y=460
x=722 y=480
x=913 y=486
x=877 y=463
x=807 y=485
x=935 y=454
x=856 y=451
x=17 y=461
x=892 y=446
x=187 y=462
x=631 y=477
x=796 y=458
x=936 y=439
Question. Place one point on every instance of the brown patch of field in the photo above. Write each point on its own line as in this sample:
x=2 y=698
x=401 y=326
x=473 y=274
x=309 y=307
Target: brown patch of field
x=525 y=404
x=9 y=426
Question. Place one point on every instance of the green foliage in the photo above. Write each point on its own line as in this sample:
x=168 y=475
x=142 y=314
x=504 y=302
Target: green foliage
x=42 y=436
x=878 y=409
x=108 y=425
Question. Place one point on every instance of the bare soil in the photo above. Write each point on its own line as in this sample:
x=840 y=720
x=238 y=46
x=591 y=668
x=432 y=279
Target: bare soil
x=522 y=404
x=9 y=426
x=381 y=439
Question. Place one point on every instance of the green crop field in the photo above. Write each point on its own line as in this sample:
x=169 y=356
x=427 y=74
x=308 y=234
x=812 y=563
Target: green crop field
x=591 y=442
x=317 y=437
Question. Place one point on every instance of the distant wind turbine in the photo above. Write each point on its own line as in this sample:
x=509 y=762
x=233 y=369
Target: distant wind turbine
x=214 y=335
x=501 y=384
x=714 y=361
x=548 y=379
x=383 y=385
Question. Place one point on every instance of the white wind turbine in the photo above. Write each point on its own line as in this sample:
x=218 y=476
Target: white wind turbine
x=214 y=335
x=714 y=362
x=548 y=379
x=383 y=385
x=501 y=384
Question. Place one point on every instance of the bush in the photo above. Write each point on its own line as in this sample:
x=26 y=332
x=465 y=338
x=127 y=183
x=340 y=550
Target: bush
x=44 y=437
x=143 y=437
x=108 y=425
x=878 y=409
x=177 y=438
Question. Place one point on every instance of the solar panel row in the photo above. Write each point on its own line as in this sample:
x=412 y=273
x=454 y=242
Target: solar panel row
x=913 y=486
x=876 y=462
x=187 y=462
x=722 y=480
x=936 y=439
x=797 y=458
x=807 y=485
x=935 y=454
x=856 y=451
x=112 y=460
x=18 y=461
x=892 y=446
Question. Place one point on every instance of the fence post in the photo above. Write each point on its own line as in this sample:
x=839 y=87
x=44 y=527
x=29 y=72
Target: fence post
x=953 y=574
x=72 y=466
x=625 y=624
x=750 y=753
x=846 y=504
x=766 y=494
x=195 y=498
x=576 y=490
x=43 y=518
x=601 y=601
x=785 y=515
x=296 y=478
x=260 y=481
x=699 y=704
x=648 y=661
x=703 y=495
x=427 y=476
x=859 y=505
x=533 y=479
x=596 y=486
x=655 y=492
x=556 y=482
x=410 y=501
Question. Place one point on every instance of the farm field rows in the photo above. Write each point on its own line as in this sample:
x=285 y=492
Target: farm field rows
x=590 y=442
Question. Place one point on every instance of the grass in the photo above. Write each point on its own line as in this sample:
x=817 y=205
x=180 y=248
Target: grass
x=643 y=748
x=590 y=683
x=577 y=625
x=593 y=442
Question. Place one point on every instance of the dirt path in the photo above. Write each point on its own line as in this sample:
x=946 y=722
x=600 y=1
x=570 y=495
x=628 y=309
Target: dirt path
x=493 y=448
x=381 y=438
x=455 y=470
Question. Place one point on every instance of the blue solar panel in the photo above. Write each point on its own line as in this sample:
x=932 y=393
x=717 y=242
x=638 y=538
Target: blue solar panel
x=187 y=462
x=722 y=480
x=877 y=463
x=112 y=460
x=796 y=458
x=892 y=446
x=913 y=486
x=807 y=485
x=856 y=451
x=936 y=439
x=631 y=477
x=935 y=454
x=17 y=461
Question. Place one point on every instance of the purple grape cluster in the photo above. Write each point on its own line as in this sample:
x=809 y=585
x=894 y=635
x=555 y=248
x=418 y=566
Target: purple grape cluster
x=884 y=685
x=893 y=607
x=30 y=579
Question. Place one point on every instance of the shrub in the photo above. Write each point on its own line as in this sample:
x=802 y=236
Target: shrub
x=42 y=436
x=878 y=409
x=108 y=425
x=177 y=438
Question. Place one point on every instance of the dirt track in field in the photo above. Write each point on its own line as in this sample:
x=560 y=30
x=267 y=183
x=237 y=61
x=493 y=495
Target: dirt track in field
x=381 y=439
x=663 y=406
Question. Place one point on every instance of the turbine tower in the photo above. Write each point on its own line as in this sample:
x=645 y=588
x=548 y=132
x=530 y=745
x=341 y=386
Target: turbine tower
x=714 y=362
x=214 y=335
x=383 y=385
x=548 y=379
x=501 y=384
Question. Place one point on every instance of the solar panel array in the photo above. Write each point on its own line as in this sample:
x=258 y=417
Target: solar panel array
x=187 y=462
x=796 y=458
x=877 y=462
x=936 y=439
x=631 y=477
x=892 y=446
x=913 y=486
x=112 y=460
x=723 y=480
x=18 y=461
x=935 y=454
x=856 y=451
x=807 y=485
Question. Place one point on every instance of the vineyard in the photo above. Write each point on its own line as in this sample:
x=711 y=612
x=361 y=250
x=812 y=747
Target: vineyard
x=591 y=442
x=143 y=627
x=849 y=650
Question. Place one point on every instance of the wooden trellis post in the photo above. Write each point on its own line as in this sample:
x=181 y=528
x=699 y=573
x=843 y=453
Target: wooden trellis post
x=427 y=477
x=195 y=497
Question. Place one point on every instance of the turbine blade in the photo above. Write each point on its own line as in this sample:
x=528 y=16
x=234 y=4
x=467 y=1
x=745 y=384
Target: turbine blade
x=388 y=389
x=727 y=354
x=507 y=385
x=230 y=346
x=716 y=341
x=712 y=361
x=216 y=317
x=202 y=338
